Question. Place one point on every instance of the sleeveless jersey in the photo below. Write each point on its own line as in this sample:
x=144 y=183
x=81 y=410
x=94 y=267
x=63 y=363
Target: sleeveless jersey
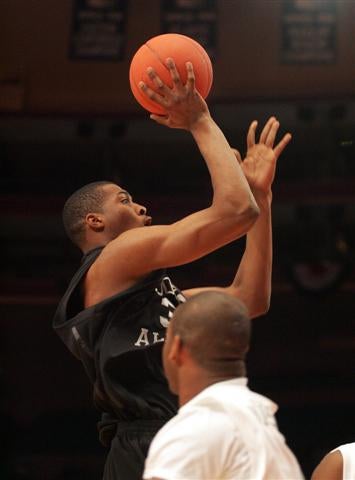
x=119 y=341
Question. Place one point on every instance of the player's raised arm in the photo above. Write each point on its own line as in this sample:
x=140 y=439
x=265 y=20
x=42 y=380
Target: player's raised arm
x=252 y=282
x=233 y=209
x=186 y=109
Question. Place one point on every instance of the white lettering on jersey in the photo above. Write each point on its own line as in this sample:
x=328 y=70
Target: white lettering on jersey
x=170 y=309
x=156 y=338
x=145 y=336
x=171 y=297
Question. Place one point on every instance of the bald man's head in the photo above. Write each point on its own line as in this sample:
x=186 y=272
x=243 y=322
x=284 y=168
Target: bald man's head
x=215 y=328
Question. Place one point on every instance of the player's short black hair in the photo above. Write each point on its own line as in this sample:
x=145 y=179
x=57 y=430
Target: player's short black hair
x=87 y=199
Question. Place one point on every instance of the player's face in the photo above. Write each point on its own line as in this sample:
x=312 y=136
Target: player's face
x=168 y=364
x=121 y=212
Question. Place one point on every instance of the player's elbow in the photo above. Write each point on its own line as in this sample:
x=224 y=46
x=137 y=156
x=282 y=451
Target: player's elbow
x=252 y=212
x=246 y=206
x=235 y=219
x=259 y=309
x=245 y=214
x=260 y=302
x=238 y=202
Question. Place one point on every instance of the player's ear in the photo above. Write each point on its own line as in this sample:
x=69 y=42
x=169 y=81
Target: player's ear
x=175 y=353
x=95 y=221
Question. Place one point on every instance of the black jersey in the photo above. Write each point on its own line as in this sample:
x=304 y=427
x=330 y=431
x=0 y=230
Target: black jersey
x=119 y=341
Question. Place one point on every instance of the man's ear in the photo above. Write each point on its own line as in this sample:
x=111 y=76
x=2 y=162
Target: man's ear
x=95 y=221
x=176 y=350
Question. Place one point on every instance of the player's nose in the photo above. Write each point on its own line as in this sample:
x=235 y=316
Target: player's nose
x=141 y=210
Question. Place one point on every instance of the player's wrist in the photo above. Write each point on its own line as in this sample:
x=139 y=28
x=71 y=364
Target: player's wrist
x=263 y=198
x=203 y=123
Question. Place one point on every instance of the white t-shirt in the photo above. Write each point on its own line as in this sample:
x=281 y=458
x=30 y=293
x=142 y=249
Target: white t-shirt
x=348 y=453
x=226 y=432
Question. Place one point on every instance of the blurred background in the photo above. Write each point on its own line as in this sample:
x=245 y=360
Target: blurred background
x=67 y=117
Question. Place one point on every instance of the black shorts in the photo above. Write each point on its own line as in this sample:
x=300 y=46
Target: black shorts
x=129 y=448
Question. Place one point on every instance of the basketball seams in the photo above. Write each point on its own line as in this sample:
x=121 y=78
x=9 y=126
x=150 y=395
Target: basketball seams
x=154 y=107
x=156 y=54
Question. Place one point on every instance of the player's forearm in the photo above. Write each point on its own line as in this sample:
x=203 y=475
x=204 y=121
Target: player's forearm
x=252 y=282
x=230 y=186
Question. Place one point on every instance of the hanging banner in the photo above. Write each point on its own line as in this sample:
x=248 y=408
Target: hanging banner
x=195 y=18
x=98 y=28
x=309 y=29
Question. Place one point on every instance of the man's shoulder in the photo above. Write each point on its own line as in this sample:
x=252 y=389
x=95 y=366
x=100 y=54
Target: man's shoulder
x=233 y=402
x=237 y=393
x=223 y=395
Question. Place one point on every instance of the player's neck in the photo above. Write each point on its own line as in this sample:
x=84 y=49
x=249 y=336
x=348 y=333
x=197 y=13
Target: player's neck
x=98 y=241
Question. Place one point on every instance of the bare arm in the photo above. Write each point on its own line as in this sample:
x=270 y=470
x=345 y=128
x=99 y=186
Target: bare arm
x=187 y=110
x=330 y=468
x=252 y=282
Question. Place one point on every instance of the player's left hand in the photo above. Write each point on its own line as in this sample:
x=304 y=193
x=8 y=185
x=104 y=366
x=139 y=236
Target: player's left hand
x=259 y=165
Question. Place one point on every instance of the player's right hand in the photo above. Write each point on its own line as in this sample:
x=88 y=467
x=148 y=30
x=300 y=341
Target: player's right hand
x=183 y=104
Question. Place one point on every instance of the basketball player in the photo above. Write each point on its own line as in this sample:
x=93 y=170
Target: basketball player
x=114 y=314
x=223 y=430
x=339 y=464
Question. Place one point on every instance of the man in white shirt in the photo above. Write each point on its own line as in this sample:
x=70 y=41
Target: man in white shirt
x=222 y=430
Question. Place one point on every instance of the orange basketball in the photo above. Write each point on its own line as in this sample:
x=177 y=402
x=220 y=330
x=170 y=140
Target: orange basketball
x=154 y=53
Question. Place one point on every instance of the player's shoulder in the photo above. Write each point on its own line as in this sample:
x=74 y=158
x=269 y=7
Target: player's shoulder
x=134 y=249
x=126 y=240
x=330 y=467
x=203 y=417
